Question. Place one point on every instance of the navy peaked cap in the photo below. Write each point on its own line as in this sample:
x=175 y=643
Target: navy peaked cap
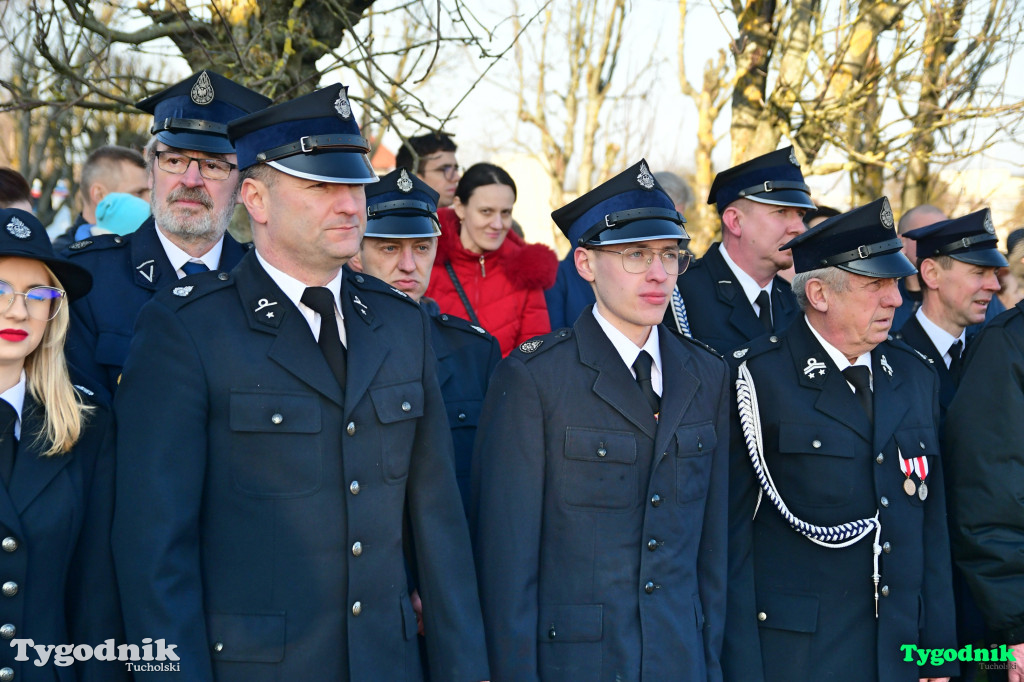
x=401 y=206
x=773 y=178
x=22 y=235
x=971 y=239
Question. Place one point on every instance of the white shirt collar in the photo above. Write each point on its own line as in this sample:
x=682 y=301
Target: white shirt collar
x=294 y=289
x=750 y=287
x=838 y=358
x=15 y=397
x=939 y=337
x=629 y=351
x=178 y=258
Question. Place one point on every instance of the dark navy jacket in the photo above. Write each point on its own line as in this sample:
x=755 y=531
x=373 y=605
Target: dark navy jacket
x=570 y=295
x=127 y=271
x=719 y=313
x=914 y=335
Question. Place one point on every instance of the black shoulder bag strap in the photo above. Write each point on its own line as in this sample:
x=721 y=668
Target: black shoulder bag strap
x=462 y=294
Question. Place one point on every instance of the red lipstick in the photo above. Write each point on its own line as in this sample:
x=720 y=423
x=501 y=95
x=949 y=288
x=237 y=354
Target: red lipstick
x=13 y=334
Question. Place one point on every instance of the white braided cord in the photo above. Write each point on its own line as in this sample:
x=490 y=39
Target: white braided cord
x=679 y=313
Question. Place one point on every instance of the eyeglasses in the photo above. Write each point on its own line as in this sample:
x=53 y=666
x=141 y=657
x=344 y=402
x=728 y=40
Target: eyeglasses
x=449 y=170
x=177 y=163
x=637 y=260
x=42 y=303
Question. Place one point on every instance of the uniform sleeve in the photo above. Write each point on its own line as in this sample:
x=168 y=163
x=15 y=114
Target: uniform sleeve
x=712 y=565
x=446 y=579
x=534 y=319
x=508 y=500
x=984 y=454
x=161 y=407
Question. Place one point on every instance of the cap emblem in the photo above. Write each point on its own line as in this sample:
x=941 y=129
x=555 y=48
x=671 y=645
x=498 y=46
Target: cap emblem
x=202 y=91
x=342 y=106
x=989 y=227
x=404 y=183
x=886 y=214
x=792 y=158
x=19 y=229
x=645 y=178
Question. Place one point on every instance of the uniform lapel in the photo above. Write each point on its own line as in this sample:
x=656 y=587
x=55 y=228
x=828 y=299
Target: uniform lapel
x=366 y=350
x=679 y=386
x=32 y=472
x=271 y=312
x=614 y=383
x=887 y=382
x=730 y=293
x=149 y=260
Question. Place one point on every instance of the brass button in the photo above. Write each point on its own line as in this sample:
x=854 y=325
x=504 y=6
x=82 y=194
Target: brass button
x=884 y=591
x=887 y=548
x=7 y=631
x=879 y=458
x=351 y=429
x=218 y=646
x=762 y=616
x=406 y=407
x=815 y=444
x=9 y=544
x=9 y=588
x=357 y=608
x=354 y=487
x=357 y=549
x=277 y=418
x=655 y=500
x=884 y=501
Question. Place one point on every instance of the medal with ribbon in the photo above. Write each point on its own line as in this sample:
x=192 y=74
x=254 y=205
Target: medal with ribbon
x=919 y=466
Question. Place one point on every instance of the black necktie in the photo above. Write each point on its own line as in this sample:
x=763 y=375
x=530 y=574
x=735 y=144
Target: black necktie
x=860 y=377
x=765 y=315
x=191 y=268
x=8 y=444
x=642 y=366
x=321 y=301
x=955 y=350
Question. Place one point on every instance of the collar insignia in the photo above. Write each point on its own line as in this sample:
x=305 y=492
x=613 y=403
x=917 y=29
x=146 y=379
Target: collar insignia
x=886 y=367
x=148 y=274
x=813 y=366
x=202 y=92
x=363 y=310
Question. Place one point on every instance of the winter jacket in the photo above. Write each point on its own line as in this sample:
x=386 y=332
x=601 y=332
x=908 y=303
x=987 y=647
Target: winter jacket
x=505 y=287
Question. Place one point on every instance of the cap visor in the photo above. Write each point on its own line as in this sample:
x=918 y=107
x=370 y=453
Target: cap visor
x=640 y=231
x=212 y=144
x=783 y=197
x=401 y=227
x=988 y=258
x=887 y=265
x=350 y=168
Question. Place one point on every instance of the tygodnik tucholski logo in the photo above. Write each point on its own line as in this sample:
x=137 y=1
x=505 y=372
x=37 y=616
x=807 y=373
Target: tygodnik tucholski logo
x=152 y=656
x=1001 y=654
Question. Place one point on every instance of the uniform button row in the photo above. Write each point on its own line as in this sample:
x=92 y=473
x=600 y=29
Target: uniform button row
x=656 y=500
x=357 y=549
x=6 y=674
x=357 y=608
x=7 y=631
x=354 y=487
x=9 y=544
x=351 y=429
x=9 y=588
x=650 y=586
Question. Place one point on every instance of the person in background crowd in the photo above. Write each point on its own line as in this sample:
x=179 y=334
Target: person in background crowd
x=484 y=274
x=828 y=409
x=15 y=191
x=194 y=181
x=603 y=455
x=571 y=294
x=1012 y=280
x=431 y=158
x=283 y=434
x=56 y=471
x=119 y=213
x=910 y=288
x=819 y=215
x=107 y=169
x=734 y=293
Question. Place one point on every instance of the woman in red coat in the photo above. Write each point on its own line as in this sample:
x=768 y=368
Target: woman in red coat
x=501 y=277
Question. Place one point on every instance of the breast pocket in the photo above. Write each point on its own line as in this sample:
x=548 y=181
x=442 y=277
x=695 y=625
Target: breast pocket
x=816 y=464
x=398 y=407
x=918 y=442
x=275 y=448
x=694 y=445
x=599 y=469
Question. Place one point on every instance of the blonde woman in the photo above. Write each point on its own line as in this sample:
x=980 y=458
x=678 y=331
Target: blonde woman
x=57 y=583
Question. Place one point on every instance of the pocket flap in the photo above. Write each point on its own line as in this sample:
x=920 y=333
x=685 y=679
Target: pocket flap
x=570 y=623
x=917 y=442
x=398 y=402
x=112 y=349
x=274 y=412
x=815 y=439
x=695 y=440
x=249 y=637
x=793 y=612
x=593 y=445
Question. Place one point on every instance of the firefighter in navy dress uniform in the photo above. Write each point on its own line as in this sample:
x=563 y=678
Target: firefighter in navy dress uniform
x=601 y=497
x=57 y=583
x=848 y=547
x=193 y=180
x=734 y=293
x=279 y=420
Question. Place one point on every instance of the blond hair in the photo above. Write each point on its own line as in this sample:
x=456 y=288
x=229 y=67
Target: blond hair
x=64 y=414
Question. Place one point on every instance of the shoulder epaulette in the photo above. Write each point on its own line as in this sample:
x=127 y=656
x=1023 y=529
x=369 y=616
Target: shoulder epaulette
x=528 y=350
x=699 y=343
x=365 y=282
x=96 y=243
x=455 y=322
x=758 y=346
x=193 y=288
x=897 y=343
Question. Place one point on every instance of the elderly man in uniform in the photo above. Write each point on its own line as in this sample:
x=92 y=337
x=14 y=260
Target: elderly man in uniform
x=838 y=464
x=193 y=178
x=602 y=450
x=734 y=293
x=399 y=248
x=263 y=479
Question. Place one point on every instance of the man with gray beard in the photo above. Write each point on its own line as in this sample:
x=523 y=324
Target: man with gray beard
x=193 y=178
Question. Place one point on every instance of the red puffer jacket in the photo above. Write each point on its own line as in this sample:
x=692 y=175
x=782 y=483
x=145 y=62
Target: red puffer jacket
x=505 y=287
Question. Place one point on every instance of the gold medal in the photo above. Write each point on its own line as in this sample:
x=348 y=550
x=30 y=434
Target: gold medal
x=909 y=488
x=922 y=491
